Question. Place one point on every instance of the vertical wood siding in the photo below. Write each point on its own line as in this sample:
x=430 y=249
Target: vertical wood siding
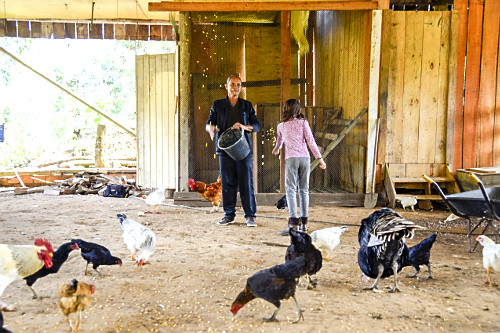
x=157 y=145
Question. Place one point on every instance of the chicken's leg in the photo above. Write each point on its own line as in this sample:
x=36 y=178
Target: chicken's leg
x=35 y=296
x=414 y=275
x=299 y=310
x=374 y=285
x=273 y=317
x=86 y=268
x=395 y=270
x=77 y=326
x=429 y=269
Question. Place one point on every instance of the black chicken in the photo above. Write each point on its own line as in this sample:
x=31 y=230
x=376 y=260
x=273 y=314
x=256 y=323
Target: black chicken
x=96 y=254
x=420 y=255
x=301 y=246
x=381 y=238
x=281 y=203
x=273 y=285
x=3 y=329
x=58 y=258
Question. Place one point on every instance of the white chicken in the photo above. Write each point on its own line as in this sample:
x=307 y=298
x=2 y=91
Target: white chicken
x=21 y=261
x=491 y=256
x=156 y=198
x=140 y=241
x=327 y=239
x=407 y=201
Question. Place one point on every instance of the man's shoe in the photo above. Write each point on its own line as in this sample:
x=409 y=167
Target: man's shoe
x=225 y=221
x=251 y=221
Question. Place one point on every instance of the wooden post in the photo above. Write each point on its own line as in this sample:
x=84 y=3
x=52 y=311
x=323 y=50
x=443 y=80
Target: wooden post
x=100 y=147
x=185 y=99
x=373 y=105
x=285 y=81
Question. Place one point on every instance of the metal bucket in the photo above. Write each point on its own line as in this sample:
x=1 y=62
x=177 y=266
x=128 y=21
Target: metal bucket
x=234 y=143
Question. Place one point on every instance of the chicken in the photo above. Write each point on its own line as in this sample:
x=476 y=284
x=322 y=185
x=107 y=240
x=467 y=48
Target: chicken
x=273 y=285
x=75 y=297
x=419 y=255
x=327 y=239
x=281 y=203
x=301 y=246
x=211 y=192
x=3 y=329
x=407 y=201
x=140 y=240
x=96 y=254
x=491 y=256
x=22 y=260
x=156 y=198
x=382 y=238
x=59 y=257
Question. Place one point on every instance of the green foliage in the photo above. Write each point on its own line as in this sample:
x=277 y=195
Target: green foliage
x=43 y=119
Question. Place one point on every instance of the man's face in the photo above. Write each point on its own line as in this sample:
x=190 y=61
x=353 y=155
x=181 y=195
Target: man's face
x=234 y=87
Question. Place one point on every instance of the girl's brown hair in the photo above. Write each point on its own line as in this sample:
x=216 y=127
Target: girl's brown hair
x=292 y=110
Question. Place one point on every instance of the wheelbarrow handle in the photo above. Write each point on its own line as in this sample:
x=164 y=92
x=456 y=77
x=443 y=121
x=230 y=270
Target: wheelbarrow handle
x=427 y=178
x=475 y=177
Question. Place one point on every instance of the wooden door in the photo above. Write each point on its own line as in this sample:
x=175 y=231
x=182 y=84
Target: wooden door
x=157 y=138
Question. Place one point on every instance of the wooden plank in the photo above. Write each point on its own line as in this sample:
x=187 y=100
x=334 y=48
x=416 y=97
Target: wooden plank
x=472 y=75
x=59 y=31
x=130 y=31
x=70 y=30
x=36 y=29
x=429 y=92
x=119 y=31
x=140 y=110
x=11 y=29
x=109 y=31
x=155 y=32
x=213 y=6
x=443 y=86
x=373 y=98
x=47 y=29
x=396 y=57
x=82 y=31
x=488 y=82
x=96 y=31
x=3 y=27
x=412 y=85
x=142 y=32
x=23 y=29
x=496 y=143
x=452 y=89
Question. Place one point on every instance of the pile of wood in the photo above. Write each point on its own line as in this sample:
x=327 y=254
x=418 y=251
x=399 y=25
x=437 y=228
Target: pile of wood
x=86 y=183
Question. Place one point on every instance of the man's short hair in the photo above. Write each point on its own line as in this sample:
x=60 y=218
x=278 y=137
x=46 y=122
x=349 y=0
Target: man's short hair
x=228 y=81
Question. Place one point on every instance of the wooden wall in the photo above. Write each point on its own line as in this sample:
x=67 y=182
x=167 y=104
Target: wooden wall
x=85 y=30
x=342 y=81
x=157 y=143
x=477 y=119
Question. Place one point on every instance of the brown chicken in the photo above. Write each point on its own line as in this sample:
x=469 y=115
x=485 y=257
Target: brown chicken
x=211 y=192
x=74 y=297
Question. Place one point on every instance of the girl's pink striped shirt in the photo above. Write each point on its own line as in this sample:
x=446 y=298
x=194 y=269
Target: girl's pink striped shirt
x=294 y=134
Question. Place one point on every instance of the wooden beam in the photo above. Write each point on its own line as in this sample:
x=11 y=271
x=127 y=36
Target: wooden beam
x=254 y=6
x=285 y=80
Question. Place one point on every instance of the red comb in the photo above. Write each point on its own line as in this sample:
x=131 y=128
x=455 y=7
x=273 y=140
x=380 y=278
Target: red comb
x=44 y=242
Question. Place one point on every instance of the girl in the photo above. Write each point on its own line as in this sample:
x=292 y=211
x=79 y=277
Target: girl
x=294 y=132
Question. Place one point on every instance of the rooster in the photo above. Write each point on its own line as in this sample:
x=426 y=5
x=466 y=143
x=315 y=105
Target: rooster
x=327 y=239
x=211 y=192
x=301 y=246
x=382 y=238
x=139 y=239
x=273 y=285
x=22 y=260
x=75 y=297
x=491 y=256
x=96 y=254
x=419 y=255
x=59 y=257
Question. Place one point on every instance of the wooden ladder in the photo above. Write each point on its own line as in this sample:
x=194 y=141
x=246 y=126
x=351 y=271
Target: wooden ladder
x=393 y=184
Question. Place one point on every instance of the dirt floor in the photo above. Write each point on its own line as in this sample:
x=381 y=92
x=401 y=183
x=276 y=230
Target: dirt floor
x=198 y=268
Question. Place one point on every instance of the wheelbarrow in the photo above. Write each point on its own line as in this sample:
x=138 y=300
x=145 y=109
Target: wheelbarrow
x=483 y=204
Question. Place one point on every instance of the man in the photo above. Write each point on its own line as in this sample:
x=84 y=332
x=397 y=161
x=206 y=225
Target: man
x=236 y=113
